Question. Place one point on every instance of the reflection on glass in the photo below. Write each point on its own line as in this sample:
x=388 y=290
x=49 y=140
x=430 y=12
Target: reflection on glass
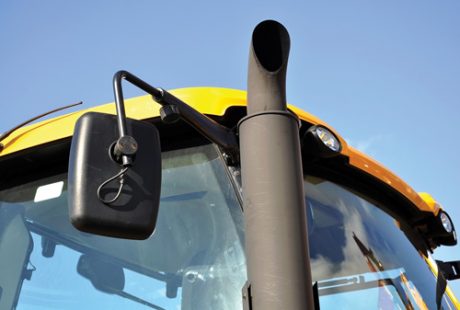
x=193 y=261
x=360 y=256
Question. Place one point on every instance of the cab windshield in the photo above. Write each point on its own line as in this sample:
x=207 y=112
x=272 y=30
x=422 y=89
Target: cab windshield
x=362 y=257
x=194 y=259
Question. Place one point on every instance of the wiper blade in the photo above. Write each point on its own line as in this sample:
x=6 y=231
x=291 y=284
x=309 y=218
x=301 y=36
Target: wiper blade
x=368 y=281
x=4 y=135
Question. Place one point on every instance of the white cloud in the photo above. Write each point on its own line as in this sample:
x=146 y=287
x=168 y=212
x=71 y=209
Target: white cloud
x=369 y=145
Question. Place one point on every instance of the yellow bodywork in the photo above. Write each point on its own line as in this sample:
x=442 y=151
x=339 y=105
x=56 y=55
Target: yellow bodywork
x=211 y=101
x=434 y=268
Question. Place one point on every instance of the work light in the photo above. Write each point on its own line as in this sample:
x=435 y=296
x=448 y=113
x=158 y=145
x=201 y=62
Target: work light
x=445 y=230
x=446 y=223
x=320 y=142
x=328 y=138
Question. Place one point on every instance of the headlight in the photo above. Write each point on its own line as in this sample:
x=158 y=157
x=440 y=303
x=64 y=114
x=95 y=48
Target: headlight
x=443 y=230
x=446 y=222
x=320 y=142
x=328 y=138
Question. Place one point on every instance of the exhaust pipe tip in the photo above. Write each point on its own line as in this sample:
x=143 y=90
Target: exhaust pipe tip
x=271 y=43
x=268 y=58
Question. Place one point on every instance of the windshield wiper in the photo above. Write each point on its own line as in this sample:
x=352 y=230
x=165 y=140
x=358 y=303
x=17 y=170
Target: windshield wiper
x=375 y=265
x=362 y=282
x=4 y=135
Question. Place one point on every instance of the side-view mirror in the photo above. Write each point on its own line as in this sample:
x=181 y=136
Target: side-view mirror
x=115 y=164
x=107 y=195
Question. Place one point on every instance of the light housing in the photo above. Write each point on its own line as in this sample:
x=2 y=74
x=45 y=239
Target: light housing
x=320 y=142
x=328 y=138
x=442 y=229
x=446 y=222
x=438 y=227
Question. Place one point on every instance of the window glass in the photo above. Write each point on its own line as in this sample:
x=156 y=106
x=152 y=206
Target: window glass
x=194 y=260
x=360 y=256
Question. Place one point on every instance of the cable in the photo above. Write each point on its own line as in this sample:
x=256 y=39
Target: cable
x=120 y=175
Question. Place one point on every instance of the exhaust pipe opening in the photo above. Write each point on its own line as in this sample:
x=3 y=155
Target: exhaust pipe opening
x=270 y=41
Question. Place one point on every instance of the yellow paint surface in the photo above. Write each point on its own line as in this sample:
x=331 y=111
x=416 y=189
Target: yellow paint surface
x=212 y=101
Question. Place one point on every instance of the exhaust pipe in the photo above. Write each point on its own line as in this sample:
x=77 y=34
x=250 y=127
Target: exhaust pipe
x=271 y=170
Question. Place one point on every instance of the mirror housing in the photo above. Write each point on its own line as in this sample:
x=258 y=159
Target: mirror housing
x=132 y=213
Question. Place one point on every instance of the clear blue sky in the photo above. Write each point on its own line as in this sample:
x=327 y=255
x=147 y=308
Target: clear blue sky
x=385 y=74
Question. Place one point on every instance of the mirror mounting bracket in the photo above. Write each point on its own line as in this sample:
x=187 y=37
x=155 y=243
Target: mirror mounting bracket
x=172 y=109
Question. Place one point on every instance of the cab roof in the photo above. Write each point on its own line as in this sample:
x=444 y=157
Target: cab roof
x=211 y=101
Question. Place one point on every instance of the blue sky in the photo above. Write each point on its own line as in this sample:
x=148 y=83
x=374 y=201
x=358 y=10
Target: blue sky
x=385 y=74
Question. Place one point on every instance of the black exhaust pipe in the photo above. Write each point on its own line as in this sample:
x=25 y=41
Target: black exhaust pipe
x=271 y=169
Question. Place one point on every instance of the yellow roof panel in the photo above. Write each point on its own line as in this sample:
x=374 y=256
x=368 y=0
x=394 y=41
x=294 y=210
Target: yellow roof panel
x=212 y=101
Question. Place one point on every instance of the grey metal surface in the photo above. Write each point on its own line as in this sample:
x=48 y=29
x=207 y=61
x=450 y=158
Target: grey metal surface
x=276 y=234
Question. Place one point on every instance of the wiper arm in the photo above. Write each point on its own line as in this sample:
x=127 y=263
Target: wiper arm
x=359 y=282
x=4 y=135
x=375 y=265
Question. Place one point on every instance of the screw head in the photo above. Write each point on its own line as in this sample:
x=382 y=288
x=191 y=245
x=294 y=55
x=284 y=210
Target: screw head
x=169 y=113
x=126 y=145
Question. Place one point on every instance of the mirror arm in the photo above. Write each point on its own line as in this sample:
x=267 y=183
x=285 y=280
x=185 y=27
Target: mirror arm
x=221 y=135
x=172 y=109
